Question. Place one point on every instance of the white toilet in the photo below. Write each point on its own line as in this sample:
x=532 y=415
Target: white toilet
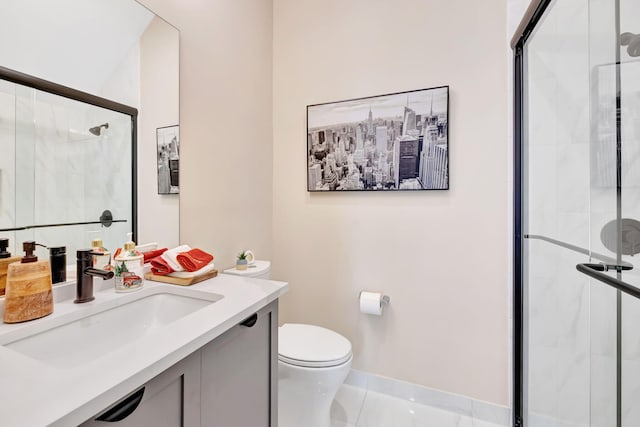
x=313 y=362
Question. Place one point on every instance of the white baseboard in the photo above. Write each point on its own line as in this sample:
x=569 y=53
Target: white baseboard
x=456 y=403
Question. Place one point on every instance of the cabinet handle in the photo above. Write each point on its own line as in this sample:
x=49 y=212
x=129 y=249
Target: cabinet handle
x=250 y=321
x=123 y=409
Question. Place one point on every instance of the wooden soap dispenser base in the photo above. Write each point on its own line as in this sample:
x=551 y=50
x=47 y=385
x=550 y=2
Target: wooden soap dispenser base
x=28 y=293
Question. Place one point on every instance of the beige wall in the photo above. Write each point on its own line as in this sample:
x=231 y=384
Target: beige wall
x=225 y=123
x=158 y=215
x=442 y=256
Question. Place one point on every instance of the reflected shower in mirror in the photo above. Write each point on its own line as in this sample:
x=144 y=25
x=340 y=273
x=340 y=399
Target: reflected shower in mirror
x=60 y=184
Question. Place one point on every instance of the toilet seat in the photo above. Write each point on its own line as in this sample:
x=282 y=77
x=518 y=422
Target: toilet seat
x=310 y=364
x=312 y=346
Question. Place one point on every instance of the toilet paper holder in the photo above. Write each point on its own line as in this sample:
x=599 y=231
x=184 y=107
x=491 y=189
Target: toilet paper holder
x=386 y=300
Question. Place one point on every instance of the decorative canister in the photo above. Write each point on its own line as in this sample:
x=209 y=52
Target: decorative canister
x=129 y=269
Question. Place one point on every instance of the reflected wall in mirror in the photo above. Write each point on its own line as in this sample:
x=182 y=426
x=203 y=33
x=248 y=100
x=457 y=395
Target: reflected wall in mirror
x=65 y=161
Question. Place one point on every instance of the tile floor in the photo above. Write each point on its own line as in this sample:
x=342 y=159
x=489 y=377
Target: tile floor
x=357 y=407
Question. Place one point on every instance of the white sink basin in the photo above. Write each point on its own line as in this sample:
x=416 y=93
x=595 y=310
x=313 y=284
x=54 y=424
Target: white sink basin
x=84 y=339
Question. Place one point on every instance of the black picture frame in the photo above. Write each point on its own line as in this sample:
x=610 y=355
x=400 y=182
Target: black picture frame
x=168 y=159
x=392 y=142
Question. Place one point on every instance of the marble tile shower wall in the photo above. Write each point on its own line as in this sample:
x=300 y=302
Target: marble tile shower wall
x=559 y=368
x=25 y=152
x=7 y=154
x=603 y=211
x=559 y=207
x=572 y=195
x=89 y=173
x=603 y=200
x=630 y=103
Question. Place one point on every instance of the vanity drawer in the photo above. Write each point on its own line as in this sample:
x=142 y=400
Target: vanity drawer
x=171 y=399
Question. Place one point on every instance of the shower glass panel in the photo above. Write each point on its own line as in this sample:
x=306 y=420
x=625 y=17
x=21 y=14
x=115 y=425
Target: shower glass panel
x=629 y=58
x=557 y=210
x=579 y=137
x=63 y=161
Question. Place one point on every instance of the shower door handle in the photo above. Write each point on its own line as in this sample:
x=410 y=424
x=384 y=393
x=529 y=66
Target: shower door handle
x=596 y=271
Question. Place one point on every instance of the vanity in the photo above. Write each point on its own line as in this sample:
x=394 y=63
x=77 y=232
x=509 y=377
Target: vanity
x=204 y=355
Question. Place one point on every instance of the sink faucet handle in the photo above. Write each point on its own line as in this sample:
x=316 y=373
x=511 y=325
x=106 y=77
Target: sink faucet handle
x=85 y=274
x=86 y=253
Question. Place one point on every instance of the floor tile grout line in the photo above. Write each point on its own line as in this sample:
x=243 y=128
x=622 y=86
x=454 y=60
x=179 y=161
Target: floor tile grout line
x=366 y=392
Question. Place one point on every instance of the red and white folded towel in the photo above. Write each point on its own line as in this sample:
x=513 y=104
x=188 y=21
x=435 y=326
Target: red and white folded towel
x=181 y=259
x=148 y=256
x=194 y=259
x=171 y=255
x=160 y=267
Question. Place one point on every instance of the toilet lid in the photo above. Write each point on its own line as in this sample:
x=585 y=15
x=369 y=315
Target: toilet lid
x=312 y=346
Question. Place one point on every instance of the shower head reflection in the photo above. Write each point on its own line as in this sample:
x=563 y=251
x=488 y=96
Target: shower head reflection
x=97 y=130
x=632 y=42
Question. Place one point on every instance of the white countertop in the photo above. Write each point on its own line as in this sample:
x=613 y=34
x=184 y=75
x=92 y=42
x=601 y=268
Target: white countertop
x=33 y=393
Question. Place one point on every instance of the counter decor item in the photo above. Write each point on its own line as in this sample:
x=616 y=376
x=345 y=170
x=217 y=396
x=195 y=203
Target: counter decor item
x=397 y=141
x=28 y=293
x=194 y=260
x=129 y=268
x=184 y=278
x=102 y=261
x=182 y=265
x=58 y=261
x=242 y=262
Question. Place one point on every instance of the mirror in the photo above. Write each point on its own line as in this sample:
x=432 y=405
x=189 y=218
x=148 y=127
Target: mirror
x=65 y=161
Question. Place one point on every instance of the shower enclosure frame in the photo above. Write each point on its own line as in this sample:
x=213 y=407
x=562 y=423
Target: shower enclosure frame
x=532 y=17
x=87 y=98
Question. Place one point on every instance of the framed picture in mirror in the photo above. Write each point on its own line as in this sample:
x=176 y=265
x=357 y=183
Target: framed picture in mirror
x=168 y=142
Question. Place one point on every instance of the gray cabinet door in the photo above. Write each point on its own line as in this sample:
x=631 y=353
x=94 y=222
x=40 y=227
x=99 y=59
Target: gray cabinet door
x=169 y=400
x=238 y=375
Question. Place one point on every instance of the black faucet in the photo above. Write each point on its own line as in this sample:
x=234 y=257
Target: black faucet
x=85 y=273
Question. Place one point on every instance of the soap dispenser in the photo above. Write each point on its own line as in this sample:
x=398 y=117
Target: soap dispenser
x=129 y=267
x=5 y=260
x=28 y=291
x=58 y=261
x=102 y=261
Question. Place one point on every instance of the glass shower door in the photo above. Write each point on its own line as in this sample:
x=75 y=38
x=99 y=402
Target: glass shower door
x=580 y=216
x=629 y=78
x=557 y=208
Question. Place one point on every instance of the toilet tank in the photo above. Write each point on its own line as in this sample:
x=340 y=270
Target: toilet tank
x=257 y=270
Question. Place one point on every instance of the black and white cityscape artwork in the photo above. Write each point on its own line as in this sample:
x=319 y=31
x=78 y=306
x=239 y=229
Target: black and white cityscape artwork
x=389 y=142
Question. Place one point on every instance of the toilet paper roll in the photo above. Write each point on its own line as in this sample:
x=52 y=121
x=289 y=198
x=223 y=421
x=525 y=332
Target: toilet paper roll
x=371 y=303
x=251 y=258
